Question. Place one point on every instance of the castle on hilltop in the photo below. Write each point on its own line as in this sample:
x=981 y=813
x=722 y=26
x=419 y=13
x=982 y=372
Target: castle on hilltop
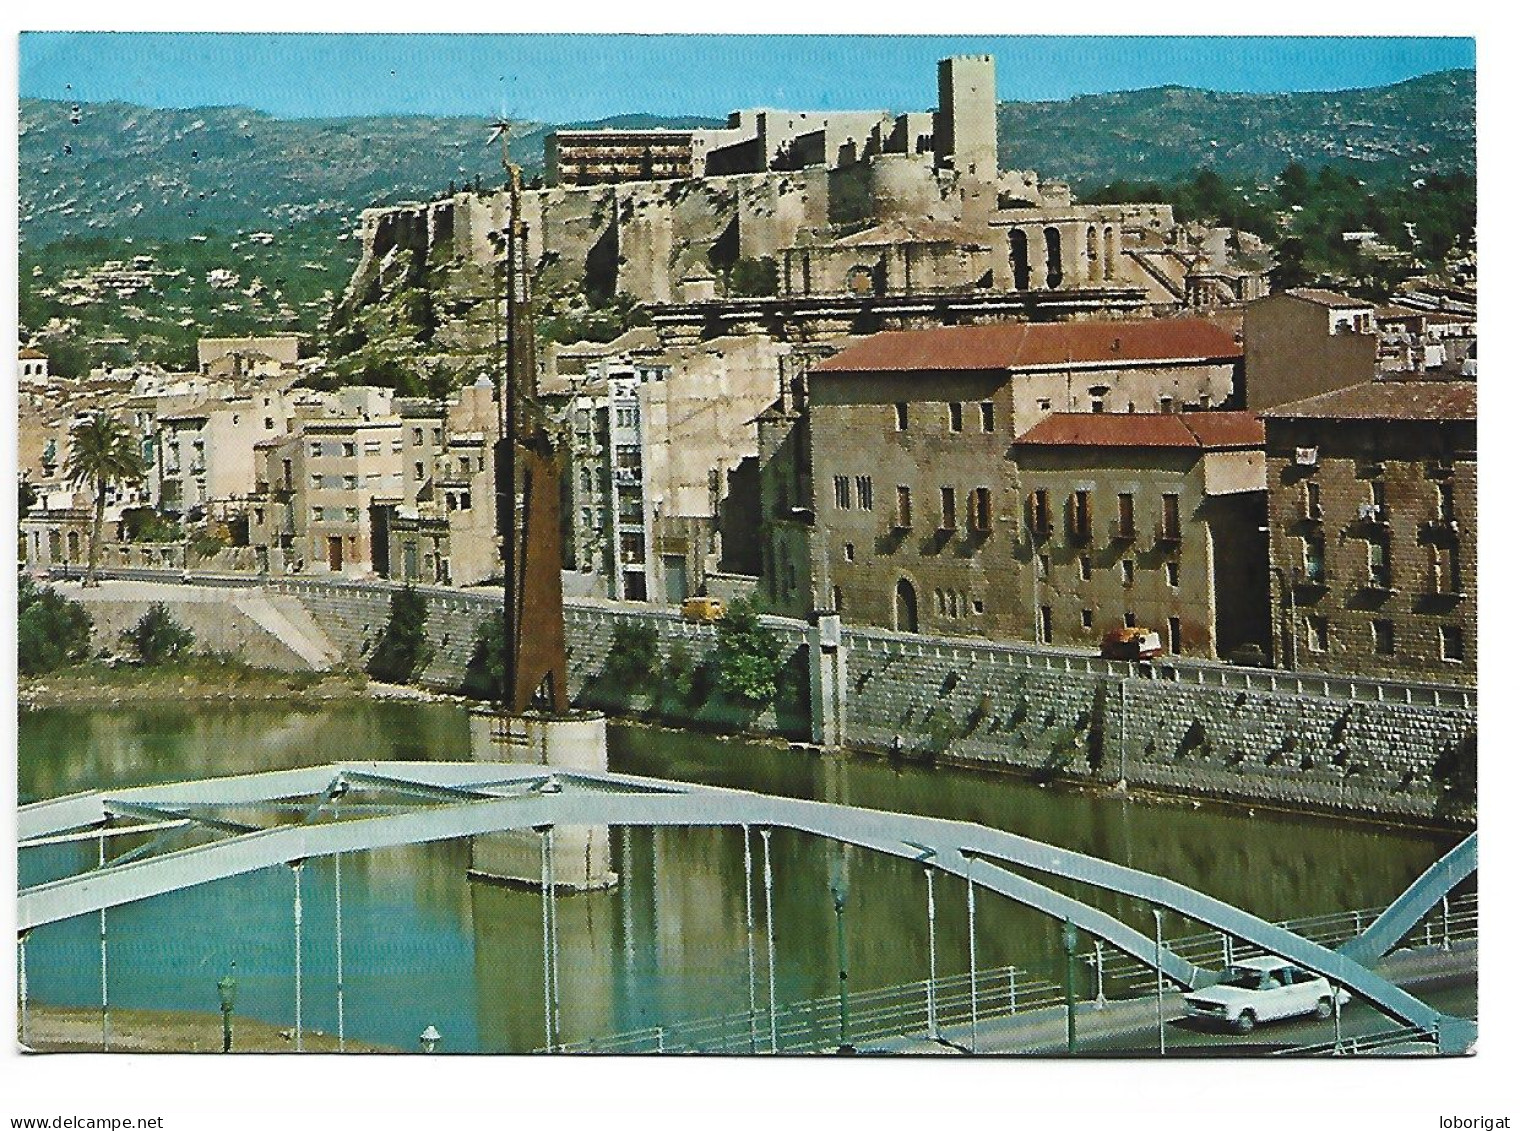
x=859 y=219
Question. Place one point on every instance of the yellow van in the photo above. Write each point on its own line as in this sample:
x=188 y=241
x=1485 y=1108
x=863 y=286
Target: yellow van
x=702 y=608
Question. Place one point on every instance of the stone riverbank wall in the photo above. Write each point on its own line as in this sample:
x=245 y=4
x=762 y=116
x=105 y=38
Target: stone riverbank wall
x=1352 y=746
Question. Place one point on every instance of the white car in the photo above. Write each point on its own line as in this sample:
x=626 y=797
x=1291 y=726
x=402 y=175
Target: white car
x=1263 y=989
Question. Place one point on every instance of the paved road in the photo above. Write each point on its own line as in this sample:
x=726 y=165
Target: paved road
x=1445 y=980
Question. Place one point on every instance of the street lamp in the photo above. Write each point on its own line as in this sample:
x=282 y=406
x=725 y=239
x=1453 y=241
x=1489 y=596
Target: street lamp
x=430 y=1038
x=840 y=889
x=1069 y=941
x=1160 y=1016
x=226 y=990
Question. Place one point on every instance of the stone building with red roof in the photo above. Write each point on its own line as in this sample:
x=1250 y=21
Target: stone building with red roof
x=900 y=490
x=1372 y=509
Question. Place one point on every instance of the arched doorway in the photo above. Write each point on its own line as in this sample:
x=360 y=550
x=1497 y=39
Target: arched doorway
x=1052 y=258
x=905 y=615
x=1018 y=256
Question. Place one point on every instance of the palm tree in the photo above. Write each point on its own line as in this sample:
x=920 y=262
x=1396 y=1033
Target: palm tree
x=103 y=453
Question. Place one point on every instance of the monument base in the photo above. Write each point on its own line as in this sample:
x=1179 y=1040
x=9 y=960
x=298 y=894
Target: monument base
x=582 y=853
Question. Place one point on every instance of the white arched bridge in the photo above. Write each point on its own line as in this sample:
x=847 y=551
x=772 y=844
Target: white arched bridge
x=256 y=821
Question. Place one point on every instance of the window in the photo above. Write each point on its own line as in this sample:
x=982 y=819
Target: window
x=1314 y=559
x=417 y=435
x=980 y=518
x=1379 y=565
x=371 y=447
x=1127 y=571
x=318 y=514
x=939 y=601
x=904 y=517
x=349 y=449
x=900 y=412
x=464 y=500
x=1174 y=635
x=316 y=449
x=1444 y=578
x=1378 y=493
x=350 y=482
x=863 y=491
x=437 y=435
x=268 y=424
x=1451 y=643
x=1042 y=568
x=838 y=600
x=977 y=608
x=1080 y=526
x=1039 y=512
x=1087 y=618
x=1084 y=563
x=350 y=514
x=1446 y=502
x=1319 y=633
x=1124 y=528
x=1045 y=624
x=947 y=508
x=417 y=470
x=957 y=421
x=1173 y=574
x=1171 y=522
x=316 y=482
x=986 y=407
x=1129 y=620
x=849 y=551
x=1097 y=404
x=1382 y=637
x=842 y=492
x=1313 y=510
x=1166 y=404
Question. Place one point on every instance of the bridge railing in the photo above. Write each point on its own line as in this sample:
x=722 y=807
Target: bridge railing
x=812 y=1025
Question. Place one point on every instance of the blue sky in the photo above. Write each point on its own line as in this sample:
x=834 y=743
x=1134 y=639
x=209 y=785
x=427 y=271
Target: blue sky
x=571 y=77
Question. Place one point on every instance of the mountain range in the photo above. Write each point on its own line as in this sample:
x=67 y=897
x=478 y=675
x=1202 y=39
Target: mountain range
x=261 y=210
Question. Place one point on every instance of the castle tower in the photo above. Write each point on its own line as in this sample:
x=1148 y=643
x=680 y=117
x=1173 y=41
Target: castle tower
x=965 y=127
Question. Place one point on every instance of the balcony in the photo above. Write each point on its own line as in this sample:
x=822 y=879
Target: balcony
x=1439 y=529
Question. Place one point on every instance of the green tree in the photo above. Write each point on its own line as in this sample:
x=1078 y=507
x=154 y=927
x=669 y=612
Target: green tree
x=402 y=649
x=157 y=637
x=51 y=630
x=749 y=657
x=1293 y=184
x=27 y=498
x=754 y=278
x=484 y=672
x=103 y=454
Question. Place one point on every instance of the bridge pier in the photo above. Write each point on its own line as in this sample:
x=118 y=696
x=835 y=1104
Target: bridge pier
x=573 y=742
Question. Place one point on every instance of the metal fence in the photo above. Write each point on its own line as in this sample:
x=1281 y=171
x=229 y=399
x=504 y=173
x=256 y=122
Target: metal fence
x=813 y=1025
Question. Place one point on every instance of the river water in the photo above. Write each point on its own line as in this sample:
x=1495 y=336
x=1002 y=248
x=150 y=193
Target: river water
x=424 y=946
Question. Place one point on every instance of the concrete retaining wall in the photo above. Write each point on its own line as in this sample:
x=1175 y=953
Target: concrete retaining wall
x=1343 y=745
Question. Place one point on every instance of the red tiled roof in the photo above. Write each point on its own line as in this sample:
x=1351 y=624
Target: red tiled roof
x=30 y=354
x=1148 y=430
x=1388 y=400
x=1030 y=345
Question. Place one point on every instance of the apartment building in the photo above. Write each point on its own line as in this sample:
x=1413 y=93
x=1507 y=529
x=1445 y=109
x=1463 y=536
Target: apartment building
x=1372 y=510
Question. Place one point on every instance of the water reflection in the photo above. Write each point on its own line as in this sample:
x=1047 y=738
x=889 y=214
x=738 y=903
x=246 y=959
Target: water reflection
x=424 y=946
